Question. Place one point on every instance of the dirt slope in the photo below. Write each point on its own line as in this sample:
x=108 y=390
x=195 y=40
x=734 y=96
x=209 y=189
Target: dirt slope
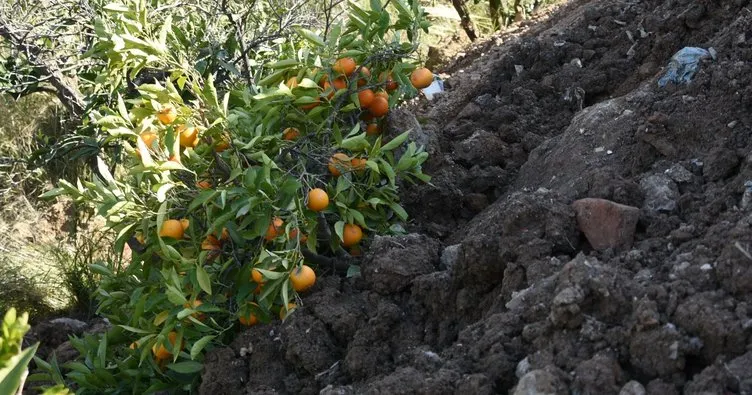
x=498 y=290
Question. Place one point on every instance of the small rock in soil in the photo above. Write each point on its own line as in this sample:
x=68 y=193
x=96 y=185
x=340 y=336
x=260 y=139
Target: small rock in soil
x=547 y=381
x=679 y=174
x=720 y=164
x=449 y=256
x=606 y=224
x=633 y=388
x=661 y=193
x=482 y=148
x=393 y=262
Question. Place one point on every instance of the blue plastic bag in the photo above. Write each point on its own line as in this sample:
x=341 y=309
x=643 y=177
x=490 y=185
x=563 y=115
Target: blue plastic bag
x=683 y=65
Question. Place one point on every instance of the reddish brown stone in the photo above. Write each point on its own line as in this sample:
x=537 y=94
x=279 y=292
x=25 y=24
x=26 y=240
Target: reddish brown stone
x=606 y=224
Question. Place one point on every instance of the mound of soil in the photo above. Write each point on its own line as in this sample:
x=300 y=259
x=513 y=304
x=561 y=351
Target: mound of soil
x=586 y=231
x=505 y=286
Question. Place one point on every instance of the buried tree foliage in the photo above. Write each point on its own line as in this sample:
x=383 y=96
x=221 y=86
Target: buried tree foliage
x=223 y=191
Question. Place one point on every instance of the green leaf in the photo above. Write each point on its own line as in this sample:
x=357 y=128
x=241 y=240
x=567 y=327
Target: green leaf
x=202 y=198
x=339 y=229
x=203 y=279
x=399 y=211
x=52 y=193
x=132 y=329
x=395 y=142
x=99 y=269
x=121 y=108
x=282 y=64
x=186 y=367
x=311 y=36
x=175 y=296
x=162 y=191
x=210 y=92
x=271 y=275
x=200 y=344
x=14 y=370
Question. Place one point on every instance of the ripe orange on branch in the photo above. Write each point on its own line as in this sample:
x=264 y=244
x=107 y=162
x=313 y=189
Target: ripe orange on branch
x=161 y=352
x=274 y=229
x=302 y=278
x=421 y=78
x=365 y=74
x=149 y=138
x=291 y=134
x=365 y=97
x=351 y=235
x=318 y=199
x=344 y=66
x=167 y=114
x=249 y=319
x=172 y=228
x=338 y=163
x=188 y=136
x=257 y=277
x=379 y=107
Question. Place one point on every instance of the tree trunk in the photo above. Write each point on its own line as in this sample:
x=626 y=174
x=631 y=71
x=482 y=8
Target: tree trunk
x=465 y=21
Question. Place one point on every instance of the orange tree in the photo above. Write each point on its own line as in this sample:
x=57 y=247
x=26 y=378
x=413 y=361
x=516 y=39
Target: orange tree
x=233 y=196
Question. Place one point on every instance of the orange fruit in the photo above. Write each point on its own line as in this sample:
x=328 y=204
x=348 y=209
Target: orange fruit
x=294 y=235
x=389 y=83
x=292 y=83
x=161 y=352
x=339 y=83
x=373 y=129
x=172 y=228
x=185 y=223
x=311 y=106
x=302 y=278
x=225 y=235
x=203 y=184
x=284 y=312
x=344 y=66
x=290 y=134
x=337 y=163
x=351 y=235
x=366 y=74
x=382 y=94
x=188 y=136
x=167 y=114
x=222 y=144
x=133 y=346
x=257 y=277
x=379 y=107
x=318 y=199
x=327 y=87
x=149 y=138
x=210 y=243
x=358 y=164
x=194 y=305
x=365 y=97
x=249 y=319
x=421 y=78
x=274 y=229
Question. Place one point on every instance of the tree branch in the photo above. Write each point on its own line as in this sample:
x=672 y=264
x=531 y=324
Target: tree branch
x=69 y=95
